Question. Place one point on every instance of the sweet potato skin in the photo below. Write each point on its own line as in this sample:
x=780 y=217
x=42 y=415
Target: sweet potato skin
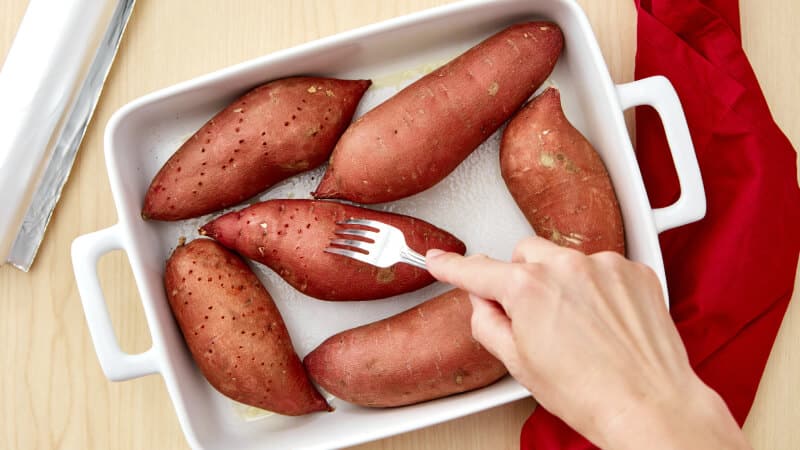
x=416 y=138
x=271 y=133
x=290 y=237
x=421 y=354
x=558 y=180
x=235 y=332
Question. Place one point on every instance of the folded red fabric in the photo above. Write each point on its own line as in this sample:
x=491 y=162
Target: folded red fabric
x=730 y=276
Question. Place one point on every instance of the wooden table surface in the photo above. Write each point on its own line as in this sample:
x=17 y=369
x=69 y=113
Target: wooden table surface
x=52 y=391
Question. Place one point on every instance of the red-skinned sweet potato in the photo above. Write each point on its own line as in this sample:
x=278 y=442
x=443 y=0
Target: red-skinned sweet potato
x=558 y=179
x=271 y=133
x=421 y=354
x=290 y=237
x=416 y=138
x=235 y=332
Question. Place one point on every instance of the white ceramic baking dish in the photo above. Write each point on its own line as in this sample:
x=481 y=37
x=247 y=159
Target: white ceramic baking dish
x=472 y=202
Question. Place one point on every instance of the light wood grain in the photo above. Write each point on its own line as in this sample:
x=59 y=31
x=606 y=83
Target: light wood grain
x=52 y=391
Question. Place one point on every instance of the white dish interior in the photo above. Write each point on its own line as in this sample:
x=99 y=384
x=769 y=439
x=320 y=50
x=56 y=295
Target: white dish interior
x=473 y=203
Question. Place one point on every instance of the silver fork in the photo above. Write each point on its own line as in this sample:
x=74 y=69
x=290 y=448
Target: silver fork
x=387 y=249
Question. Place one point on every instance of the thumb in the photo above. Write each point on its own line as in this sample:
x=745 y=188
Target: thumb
x=492 y=328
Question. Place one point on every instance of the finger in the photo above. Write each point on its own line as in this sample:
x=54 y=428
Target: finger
x=536 y=249
x=478 y=274
x=492 y=328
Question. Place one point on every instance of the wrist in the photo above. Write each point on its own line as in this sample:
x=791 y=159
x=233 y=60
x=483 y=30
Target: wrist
x=694 y=417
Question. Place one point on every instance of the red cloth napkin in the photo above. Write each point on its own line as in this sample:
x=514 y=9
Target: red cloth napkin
x=730 y=276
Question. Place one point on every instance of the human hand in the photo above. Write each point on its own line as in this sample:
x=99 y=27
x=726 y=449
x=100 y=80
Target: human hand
x=590 y=337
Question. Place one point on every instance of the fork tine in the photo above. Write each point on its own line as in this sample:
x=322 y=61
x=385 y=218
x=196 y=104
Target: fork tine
x=349 y=253
x=363 y=233
x=364 y=222
x=351 y=243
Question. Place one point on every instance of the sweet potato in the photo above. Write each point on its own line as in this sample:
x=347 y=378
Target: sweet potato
x=423 y=353
x=290 y=237
x=416 y=138
x=235 y=332
x=558 y=179
x=271 y=133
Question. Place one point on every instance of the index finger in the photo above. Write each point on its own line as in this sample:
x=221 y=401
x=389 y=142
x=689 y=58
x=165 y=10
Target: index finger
x=478 y=274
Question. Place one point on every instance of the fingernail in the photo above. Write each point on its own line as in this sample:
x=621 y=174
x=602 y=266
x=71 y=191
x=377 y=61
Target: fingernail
x=434 y=252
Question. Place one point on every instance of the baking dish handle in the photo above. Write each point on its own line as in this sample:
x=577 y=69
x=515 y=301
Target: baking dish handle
x=658 y=92
x=117 y=364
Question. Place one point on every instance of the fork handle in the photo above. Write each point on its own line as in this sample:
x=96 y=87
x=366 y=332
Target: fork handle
x=413 y=258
